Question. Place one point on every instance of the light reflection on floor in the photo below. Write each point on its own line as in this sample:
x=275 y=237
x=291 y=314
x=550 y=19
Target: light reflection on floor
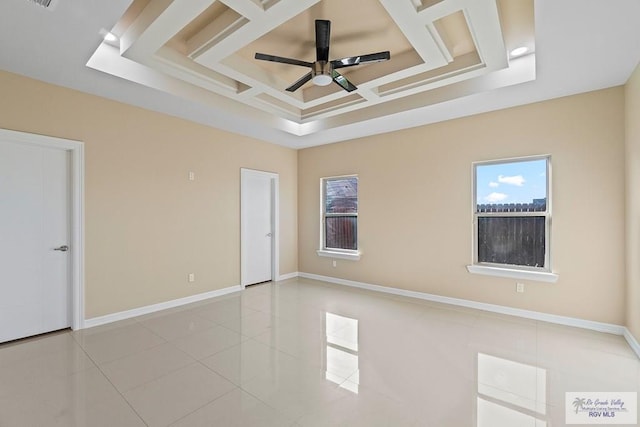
x=510 y=393
x=342 y=351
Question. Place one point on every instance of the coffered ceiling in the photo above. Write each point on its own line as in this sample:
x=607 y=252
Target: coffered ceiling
x=449 y=58
x=206 y=47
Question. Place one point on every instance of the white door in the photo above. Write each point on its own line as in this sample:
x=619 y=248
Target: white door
x=257 y=226
x=34 y=232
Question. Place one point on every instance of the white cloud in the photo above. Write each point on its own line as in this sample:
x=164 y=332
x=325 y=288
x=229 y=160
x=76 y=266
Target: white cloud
x=517 y=180
x=493 y=184
x=495 y=197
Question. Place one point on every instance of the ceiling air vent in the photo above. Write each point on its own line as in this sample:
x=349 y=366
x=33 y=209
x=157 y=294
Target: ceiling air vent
x=47 y=4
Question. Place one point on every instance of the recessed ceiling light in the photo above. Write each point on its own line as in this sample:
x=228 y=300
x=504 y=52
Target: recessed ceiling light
x=519 y=51
x=110 y=37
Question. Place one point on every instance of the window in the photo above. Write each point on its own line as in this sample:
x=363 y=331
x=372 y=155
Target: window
x=512 y=216
x=339 y=222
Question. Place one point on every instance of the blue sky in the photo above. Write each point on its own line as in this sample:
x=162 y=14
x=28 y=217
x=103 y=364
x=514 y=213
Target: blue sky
x=515 y=182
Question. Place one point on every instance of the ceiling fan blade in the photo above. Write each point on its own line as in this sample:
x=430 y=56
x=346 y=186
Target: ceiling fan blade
x=343 y=82
x=362 y=59
x=302 y=80
x=323 y=34
x=280 y=59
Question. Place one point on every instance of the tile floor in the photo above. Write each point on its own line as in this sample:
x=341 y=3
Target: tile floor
x=307 y=353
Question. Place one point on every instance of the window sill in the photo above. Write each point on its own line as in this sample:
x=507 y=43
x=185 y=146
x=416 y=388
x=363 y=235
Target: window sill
x=353 y=256
x=512 y=273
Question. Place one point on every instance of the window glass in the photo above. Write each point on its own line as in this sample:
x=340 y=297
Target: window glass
x=341 y=195
x=512 y=213
x=341 y=232
x=340 y=213
x=512 y=240
x=509 y=184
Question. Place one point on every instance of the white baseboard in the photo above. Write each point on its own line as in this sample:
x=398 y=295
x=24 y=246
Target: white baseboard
x=122 y=315
x=633 y=343
x=287 y=276
x=527 y=314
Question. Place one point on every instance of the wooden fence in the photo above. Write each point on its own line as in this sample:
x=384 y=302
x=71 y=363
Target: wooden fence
x=512 y=240
x=341 y=232
x=538 y=205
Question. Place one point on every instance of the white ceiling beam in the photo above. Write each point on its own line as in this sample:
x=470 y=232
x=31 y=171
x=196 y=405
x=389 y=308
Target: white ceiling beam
x=441 y=9
x=271 y=18
x=107 y=59
x=157 y=24
x=254 y=75
x=414 y=29
x=250 y=9
x=217 y=30
x=146 y=19
x=177 y=65
x=524 y=71
x=483 y=19
x=249 y=93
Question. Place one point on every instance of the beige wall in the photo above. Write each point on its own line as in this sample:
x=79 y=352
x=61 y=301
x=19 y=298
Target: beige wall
x=415 y=204
x=632 y=156
x=146 y=225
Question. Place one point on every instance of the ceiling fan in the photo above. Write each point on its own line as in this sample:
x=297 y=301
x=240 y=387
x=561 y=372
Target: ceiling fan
x=323 y=71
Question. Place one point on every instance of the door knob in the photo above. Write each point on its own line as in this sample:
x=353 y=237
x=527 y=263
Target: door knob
x=63 y=248
x=269 y=234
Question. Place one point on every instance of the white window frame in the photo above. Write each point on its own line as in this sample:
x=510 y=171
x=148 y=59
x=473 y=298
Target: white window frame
x=544 y=274
x=348 y=254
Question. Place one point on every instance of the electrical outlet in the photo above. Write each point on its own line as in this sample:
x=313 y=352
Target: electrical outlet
x=520 y=287
x=335 y=263
x=192 y=277
x=192 y=176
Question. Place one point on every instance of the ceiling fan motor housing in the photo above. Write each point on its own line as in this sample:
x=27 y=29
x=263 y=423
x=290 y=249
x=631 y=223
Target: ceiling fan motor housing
x=321 y=73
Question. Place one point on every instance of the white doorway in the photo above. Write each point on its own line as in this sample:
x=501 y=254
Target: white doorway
x=258 y=226
x=41 y=234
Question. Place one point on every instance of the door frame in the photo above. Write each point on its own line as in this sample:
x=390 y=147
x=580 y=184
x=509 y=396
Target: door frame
x=275 y=221
x=76 y=211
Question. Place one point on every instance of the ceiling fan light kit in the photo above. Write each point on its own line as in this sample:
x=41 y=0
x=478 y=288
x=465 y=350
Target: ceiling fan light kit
x=323 y=71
